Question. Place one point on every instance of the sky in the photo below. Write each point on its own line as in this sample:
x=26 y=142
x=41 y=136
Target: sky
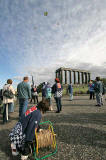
x=72 y=35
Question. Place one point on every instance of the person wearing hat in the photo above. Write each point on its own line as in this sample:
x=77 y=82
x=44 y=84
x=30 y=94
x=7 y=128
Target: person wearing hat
x=57 y=91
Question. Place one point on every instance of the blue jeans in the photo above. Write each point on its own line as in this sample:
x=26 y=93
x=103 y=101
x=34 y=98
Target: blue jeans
x=99 y=98
x=11 y=107
x=23 y=104
x=58 y=102
x=71 y=96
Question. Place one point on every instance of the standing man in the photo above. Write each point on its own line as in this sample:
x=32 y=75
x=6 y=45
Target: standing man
x=70 y=90
x=57 y=91
x=24 y=93
x=34 y=94
x=99 y=91
x=44 y=90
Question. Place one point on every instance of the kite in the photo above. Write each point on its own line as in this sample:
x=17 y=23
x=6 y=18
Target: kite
x=45 y=13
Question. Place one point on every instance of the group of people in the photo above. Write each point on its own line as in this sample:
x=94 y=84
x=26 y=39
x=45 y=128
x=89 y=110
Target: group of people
x=56 y=90
x=22 y=135
x=97 y=88
x=26 y=94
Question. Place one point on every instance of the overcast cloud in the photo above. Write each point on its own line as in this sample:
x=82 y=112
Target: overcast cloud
x=73 y=34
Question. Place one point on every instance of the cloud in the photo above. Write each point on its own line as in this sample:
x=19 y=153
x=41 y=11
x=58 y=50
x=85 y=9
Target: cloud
x=72 y=35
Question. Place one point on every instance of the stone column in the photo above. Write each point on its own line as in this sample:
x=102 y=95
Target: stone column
x=89 y=76
x=65 y=77
x=78 y=77
x=56 y=74
x=86 y=80
x=70 y=77
x=74 y=77
x=61 y=76
x=82 y=77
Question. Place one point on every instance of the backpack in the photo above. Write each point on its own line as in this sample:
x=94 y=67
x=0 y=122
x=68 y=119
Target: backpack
x=48 y=92
x=8 y=93
x=58 y=92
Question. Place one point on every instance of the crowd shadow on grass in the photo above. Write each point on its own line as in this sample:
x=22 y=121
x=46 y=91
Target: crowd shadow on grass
x=78 y=118
x=78 y=135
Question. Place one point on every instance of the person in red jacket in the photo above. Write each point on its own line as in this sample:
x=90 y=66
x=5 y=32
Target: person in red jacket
x=23 y=134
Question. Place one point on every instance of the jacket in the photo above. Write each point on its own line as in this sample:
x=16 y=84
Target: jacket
x=5 y=99
x=24 y=90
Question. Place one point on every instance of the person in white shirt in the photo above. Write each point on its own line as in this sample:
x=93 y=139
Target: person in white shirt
x=8 y=99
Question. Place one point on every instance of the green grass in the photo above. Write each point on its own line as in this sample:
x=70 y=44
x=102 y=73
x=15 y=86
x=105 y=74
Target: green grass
x=77 y=90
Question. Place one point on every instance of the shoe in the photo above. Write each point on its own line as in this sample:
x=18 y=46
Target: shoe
x=24 y=157
x=102 y=104
x=57 y=112
x=97 y=105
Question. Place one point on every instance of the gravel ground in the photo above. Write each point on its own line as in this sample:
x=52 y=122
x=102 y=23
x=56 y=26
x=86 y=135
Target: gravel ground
x=80 y=129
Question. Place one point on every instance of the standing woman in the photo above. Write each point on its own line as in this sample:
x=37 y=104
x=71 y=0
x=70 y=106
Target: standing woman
x=57 y=91
x=70 y=90
x=91 y=90
x=8 y=99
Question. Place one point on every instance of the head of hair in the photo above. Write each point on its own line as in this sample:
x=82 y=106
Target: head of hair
x=9 y=81
x=98 y=78
x=43 y=105
x=25 y=78
x=57 y=80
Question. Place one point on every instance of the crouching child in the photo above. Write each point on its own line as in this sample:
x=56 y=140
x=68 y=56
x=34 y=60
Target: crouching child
x=23 y=134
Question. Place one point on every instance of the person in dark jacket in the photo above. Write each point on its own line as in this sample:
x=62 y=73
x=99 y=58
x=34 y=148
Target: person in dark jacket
x=99 y=91
x=34 y=94
x=70 y=90
x=23 y=134
x=44 y=90
x=57 y=91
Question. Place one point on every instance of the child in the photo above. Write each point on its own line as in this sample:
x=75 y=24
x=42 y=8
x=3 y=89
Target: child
x=23 y=134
